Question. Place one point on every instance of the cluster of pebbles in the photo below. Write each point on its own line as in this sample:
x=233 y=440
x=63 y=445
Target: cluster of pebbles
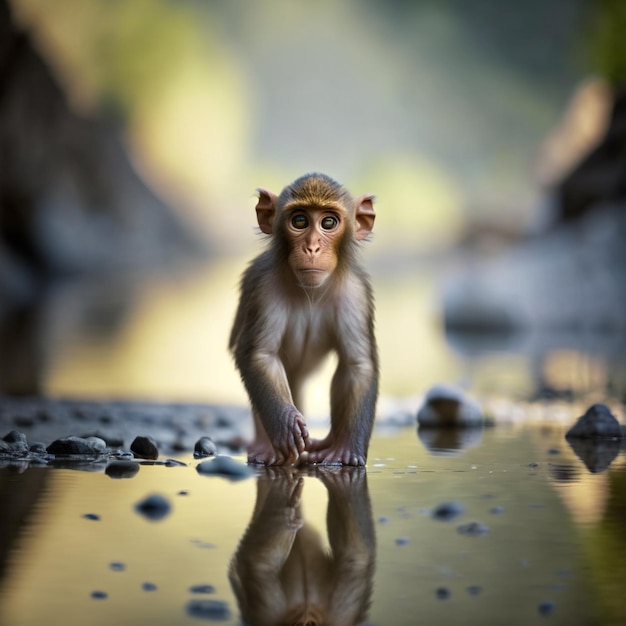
x=113 y=433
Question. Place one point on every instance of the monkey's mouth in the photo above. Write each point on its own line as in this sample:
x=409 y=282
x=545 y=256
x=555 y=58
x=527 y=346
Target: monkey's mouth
x=311 y=276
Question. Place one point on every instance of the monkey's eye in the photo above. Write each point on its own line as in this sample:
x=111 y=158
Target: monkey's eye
x=299 y=221
x=329 y=222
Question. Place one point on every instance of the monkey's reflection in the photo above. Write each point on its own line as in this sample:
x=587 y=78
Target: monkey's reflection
x=281 y=573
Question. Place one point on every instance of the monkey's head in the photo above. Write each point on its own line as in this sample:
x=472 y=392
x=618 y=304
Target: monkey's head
x=315 y=224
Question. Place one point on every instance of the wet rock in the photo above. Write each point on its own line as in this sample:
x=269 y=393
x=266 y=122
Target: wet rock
x=99 y=595
x=75 y=445
x=148 y=586
x=17 y=441
x=145 y=448
x=122 y=469
x=447 y=406
x=216 y=610
x=155 y=507
x=402 y=541
x=92 y=516
x=472 y=529
x=117 y=566
x=37 y=447
x=225 y=466
x=448 y=511
x=204 y=447
x=597 y=423
x=474 y=590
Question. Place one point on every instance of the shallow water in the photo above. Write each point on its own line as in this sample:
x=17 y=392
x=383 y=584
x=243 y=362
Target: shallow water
x=552 y=550
x=548 y=547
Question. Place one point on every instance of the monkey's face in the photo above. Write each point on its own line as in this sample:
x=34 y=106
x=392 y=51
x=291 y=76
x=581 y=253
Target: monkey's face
x=313 y=236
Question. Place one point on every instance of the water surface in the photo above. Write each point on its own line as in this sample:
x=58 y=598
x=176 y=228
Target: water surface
x=551 y=548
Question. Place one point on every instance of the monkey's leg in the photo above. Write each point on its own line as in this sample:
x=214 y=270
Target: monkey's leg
x=353 y=404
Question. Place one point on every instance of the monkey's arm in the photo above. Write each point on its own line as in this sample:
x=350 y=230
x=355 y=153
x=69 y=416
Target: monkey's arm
x=256 y=350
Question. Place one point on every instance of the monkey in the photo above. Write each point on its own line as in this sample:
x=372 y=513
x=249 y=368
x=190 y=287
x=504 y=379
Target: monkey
x=283 y=575
x=302 y=298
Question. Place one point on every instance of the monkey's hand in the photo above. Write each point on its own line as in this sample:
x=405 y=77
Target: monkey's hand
x=289 y=437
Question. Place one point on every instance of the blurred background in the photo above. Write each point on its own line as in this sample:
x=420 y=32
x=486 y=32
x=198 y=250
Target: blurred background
x=133 y=136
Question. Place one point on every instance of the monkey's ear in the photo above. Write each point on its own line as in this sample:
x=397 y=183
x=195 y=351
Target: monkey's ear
x=365 y=215
x=266 y=210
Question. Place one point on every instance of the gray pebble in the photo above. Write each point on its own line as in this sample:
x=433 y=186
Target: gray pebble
x=204 y=447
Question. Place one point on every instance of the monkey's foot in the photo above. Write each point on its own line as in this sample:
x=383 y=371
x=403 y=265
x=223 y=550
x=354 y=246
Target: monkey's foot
x=328 y=453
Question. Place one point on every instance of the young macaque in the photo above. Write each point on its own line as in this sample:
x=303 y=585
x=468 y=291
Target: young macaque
x=301 y=299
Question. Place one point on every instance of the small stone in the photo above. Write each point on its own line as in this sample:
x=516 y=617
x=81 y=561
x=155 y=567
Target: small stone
x=204 y=447
x=117 y=566
x=448 y=406
x=442 y=593
x=99 y=595
x=597 y=423
x=474 y=590
x=225 y=466
x=448 y=511
x=216 y=610
x=92 y=516
x=473 y=529
x=496 y=510
x=17 y=441
x=122 y=469
x=148 y=586
x=154 y=508
x=402 y=541
x=37 y=447
x=546 y=607
x=202 y=589
x=145 y=448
